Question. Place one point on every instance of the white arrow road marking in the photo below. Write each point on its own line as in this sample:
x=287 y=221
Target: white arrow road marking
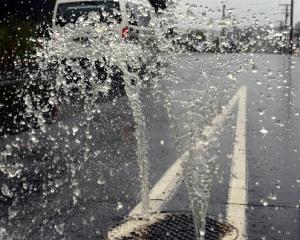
x=237 y=195
x=166 y=187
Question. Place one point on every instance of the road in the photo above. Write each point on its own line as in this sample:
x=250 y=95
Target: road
x=92 y=177
x=272 y=136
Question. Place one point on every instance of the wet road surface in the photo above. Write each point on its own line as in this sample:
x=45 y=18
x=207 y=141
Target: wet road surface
x=94 y=180
x=272 y=143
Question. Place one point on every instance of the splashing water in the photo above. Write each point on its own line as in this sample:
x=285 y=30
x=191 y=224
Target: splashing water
x=81 y=70
x=121 y=62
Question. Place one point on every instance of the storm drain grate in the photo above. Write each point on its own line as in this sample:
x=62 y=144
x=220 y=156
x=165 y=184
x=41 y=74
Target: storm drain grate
x=177 y=226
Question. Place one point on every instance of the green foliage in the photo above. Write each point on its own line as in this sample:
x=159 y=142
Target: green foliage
x=16 y=42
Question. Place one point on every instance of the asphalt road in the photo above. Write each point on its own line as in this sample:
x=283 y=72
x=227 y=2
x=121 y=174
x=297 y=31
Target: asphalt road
x=79 y=177
x=272 y=145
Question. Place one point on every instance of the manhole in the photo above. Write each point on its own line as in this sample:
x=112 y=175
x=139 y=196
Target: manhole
x=170 y=226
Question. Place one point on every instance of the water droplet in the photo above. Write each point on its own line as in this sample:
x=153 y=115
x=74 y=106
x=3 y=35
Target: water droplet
x=119 y=206
x=264 y=131
x=60 y=228
x=261 y=111
x=77 y=192
x=5 y=190
x=3 y=233
x=34 y=139
x=25 y=186
x=259 y=82
x=13 y=171
x=58 y=182
x=264 y=202
x=231 y=76
x=101 y=180
x=279 y=123
x=272 y=196
x=12 y=213
x=75 y=130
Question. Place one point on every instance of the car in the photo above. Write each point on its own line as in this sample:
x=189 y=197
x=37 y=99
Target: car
x=130 y=19
x=128 y=15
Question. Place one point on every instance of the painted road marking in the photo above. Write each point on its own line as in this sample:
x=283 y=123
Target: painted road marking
x=237 y=195
x=166 y=187
x=132 y=225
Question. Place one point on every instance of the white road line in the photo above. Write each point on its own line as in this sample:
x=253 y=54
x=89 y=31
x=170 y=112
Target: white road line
x=237 y=196
x=132 y=225
x=165 y=188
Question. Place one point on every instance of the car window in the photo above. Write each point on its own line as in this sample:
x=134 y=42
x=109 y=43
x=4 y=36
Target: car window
x=138 y=15
x=70 y=12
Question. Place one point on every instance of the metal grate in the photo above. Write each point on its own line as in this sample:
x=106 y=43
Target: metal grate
x=180 y=226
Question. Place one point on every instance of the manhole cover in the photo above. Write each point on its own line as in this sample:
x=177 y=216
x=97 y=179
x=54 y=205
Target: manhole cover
x=170 y=226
